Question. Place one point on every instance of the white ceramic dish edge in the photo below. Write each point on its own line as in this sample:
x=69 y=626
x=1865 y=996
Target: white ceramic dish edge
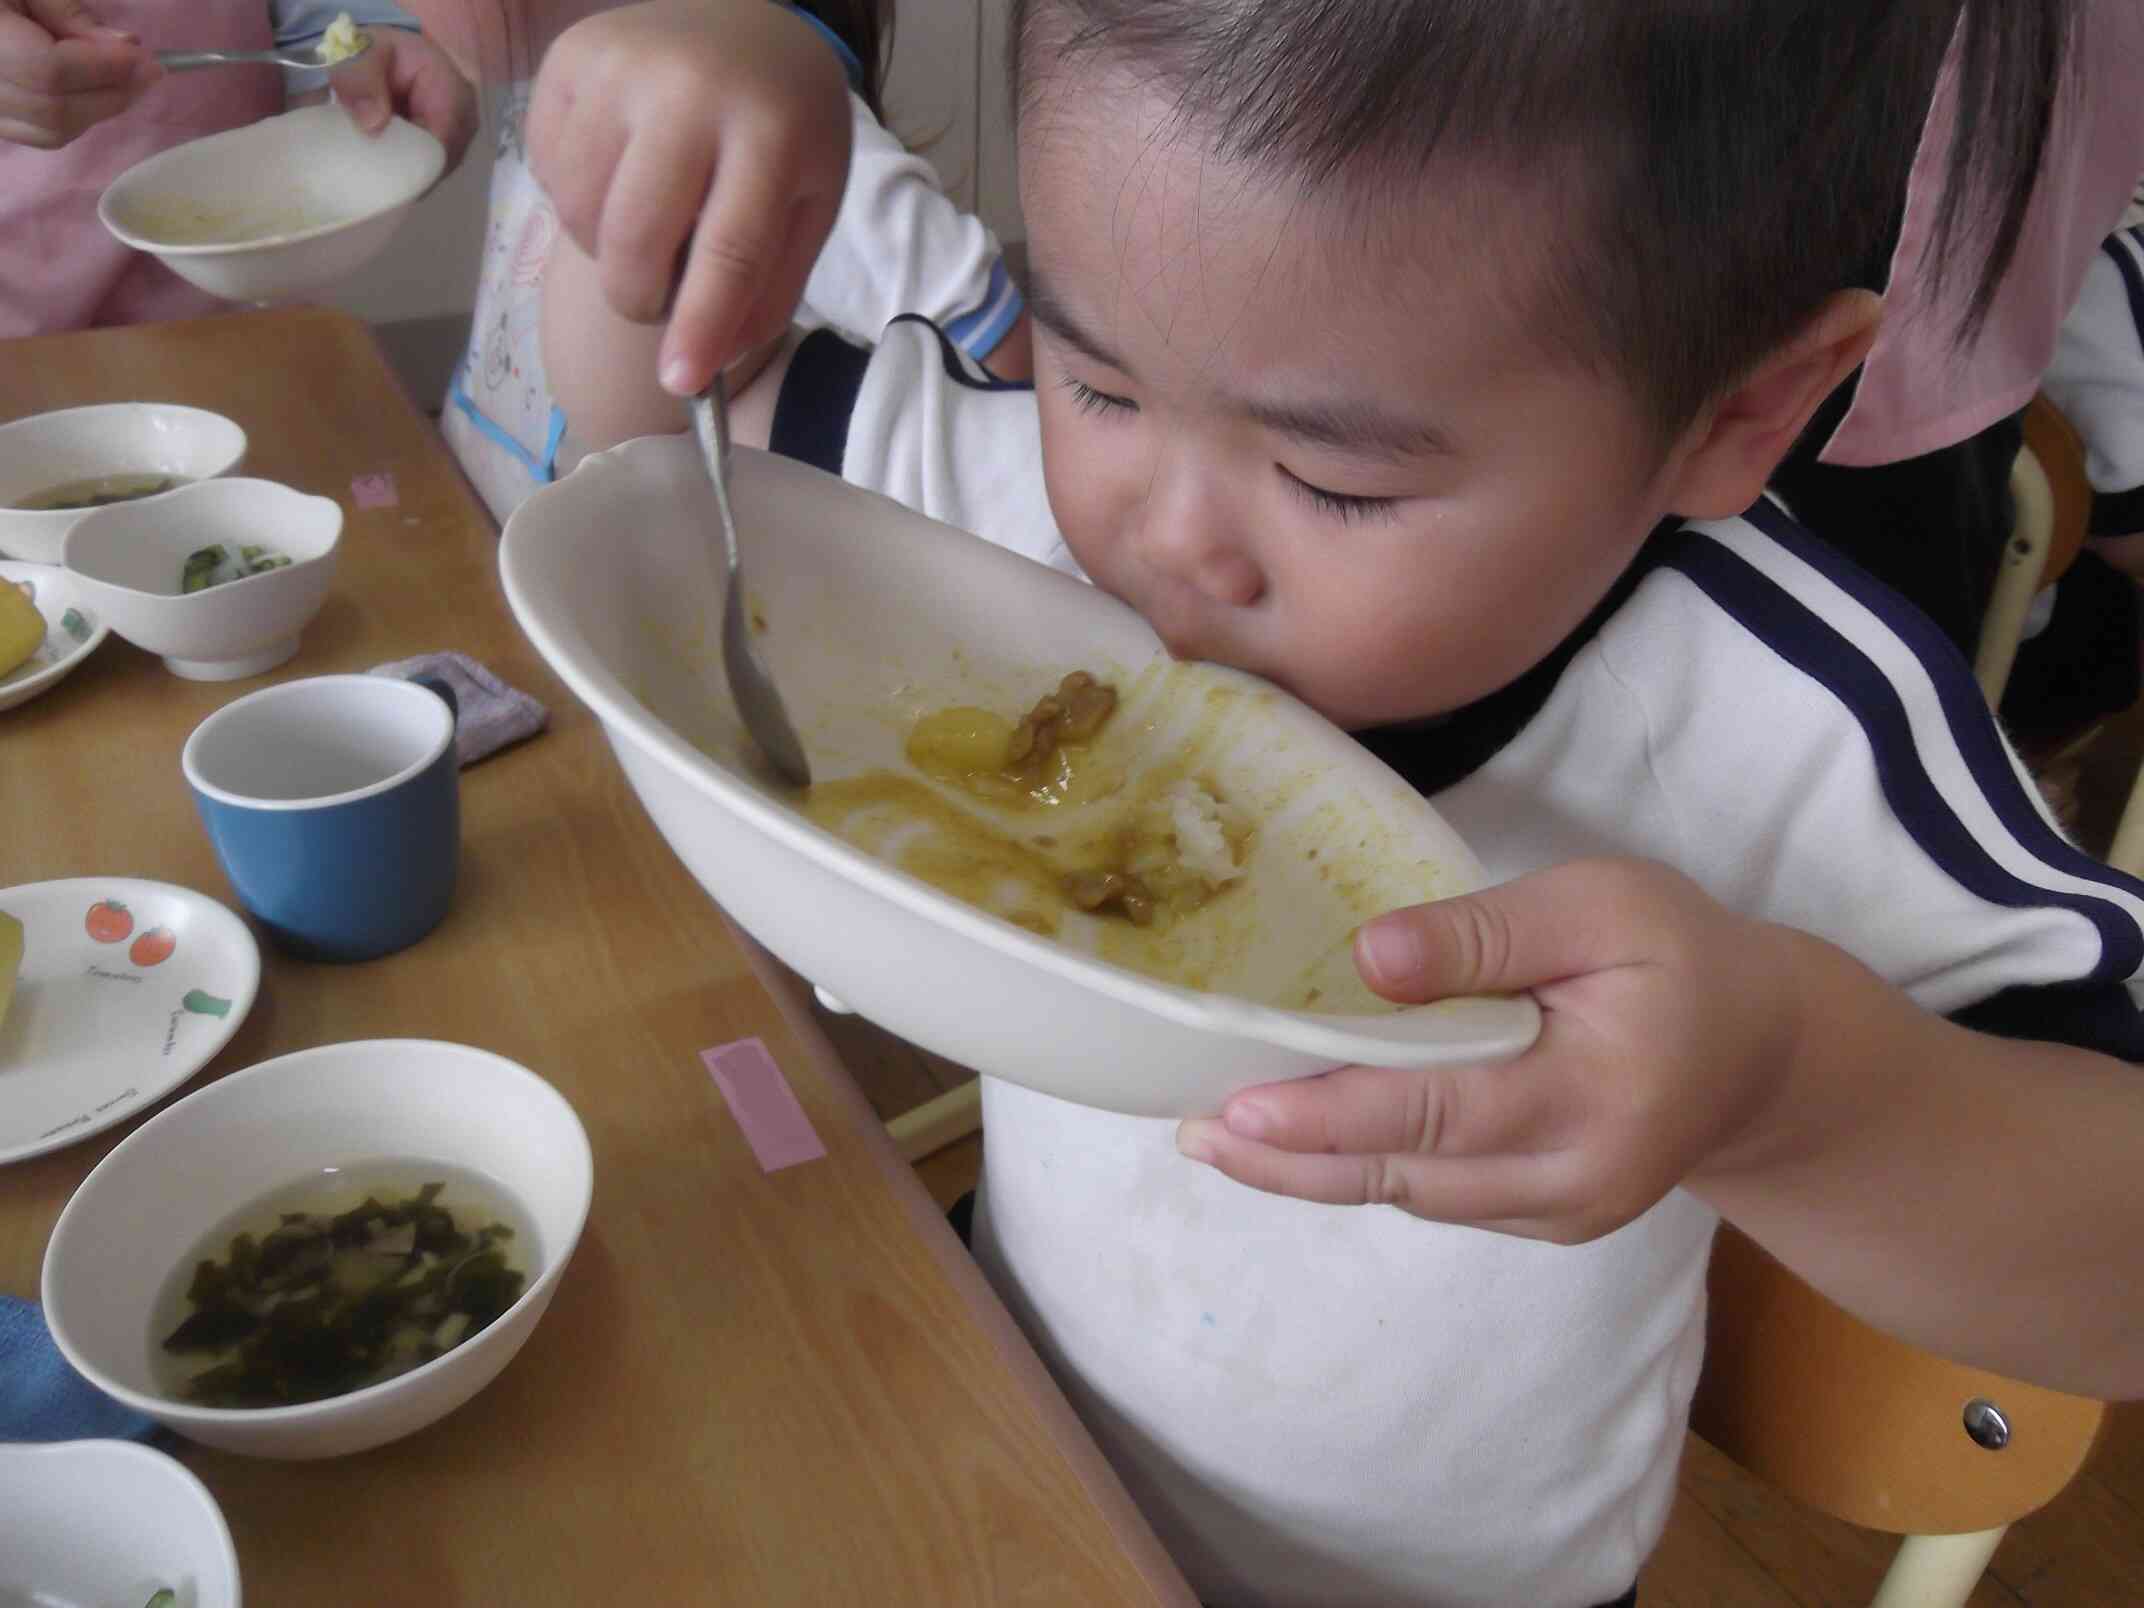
x=102 y=438
x=144 y=173
x=1470 y=1030
x=55 y=598
x=378 y=1414
x=245 y=627
x=67 y=891
x=119 y=1475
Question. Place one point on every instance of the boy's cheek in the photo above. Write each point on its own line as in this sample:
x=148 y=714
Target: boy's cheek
x=1081 y=488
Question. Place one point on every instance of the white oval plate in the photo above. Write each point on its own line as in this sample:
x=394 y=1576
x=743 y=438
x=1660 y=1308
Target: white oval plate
x=127 y=989
x=109 y=1521
x=73 y=631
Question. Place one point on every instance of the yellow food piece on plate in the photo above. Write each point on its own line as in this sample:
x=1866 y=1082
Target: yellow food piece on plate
x=22 y=628
x=10 y=960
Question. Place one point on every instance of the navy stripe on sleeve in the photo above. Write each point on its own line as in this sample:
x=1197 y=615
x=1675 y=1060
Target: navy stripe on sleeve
x=1820 y=651
x=1964 y=705
x=811 y=416
x=2122 y=249
x=2105 y=1019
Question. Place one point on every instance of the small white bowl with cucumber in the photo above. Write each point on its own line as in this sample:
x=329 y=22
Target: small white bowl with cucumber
x=219 y=578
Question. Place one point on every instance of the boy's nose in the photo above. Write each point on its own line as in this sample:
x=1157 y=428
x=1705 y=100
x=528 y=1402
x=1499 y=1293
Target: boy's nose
x=1190 y=537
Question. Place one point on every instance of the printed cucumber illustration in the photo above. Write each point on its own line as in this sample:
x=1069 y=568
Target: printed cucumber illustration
x=205 y=1004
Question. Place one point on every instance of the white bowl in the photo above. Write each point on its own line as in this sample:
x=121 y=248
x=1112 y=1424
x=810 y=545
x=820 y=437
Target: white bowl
x=876 y=614
x=145 y=1206
x=112 y=438
x=109 y=1522
x=128 y=562
x=277 y=210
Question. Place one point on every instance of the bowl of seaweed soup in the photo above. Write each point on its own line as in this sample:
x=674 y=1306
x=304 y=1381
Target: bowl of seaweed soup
x=345 y=1278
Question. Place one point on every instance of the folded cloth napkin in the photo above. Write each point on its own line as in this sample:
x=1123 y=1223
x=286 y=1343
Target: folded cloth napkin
x=492 y=714
x=44 y=1399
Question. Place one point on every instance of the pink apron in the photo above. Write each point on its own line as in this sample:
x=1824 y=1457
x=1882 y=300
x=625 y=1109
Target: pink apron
x=60 y=268
x=1918 y=391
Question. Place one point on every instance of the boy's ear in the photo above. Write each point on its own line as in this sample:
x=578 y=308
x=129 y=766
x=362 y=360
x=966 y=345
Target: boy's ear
x=1731 y=449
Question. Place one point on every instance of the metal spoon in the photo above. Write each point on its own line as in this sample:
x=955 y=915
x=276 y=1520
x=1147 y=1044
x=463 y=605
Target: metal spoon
x=758 y=699
x=180 y=61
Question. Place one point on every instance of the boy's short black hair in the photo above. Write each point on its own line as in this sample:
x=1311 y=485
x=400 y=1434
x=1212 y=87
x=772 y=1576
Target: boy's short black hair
x=1724 y=164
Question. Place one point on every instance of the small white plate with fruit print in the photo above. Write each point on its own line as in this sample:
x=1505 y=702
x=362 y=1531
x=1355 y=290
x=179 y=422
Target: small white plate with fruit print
x=125 y=990
x=73 y=631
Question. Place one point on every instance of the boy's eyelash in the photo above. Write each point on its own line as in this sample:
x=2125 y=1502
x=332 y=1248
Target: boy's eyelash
x=1088 y=400
x=1338 y=503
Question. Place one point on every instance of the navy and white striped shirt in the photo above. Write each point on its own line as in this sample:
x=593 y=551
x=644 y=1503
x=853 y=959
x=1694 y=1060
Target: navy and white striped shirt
x=1322 y=1405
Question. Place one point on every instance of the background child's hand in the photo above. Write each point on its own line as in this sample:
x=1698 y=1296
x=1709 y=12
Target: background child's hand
x=406 y=73
x=724 y=123
x=62 y=71
x=1667 y=1020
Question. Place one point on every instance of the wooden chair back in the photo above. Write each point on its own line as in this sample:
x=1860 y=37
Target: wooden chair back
x=1854 y=1423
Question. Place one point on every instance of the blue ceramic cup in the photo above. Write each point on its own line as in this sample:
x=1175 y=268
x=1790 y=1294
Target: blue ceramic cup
x=334 y=807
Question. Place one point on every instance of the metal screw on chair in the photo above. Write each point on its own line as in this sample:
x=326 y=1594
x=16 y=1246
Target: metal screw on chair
x=1984 y=1421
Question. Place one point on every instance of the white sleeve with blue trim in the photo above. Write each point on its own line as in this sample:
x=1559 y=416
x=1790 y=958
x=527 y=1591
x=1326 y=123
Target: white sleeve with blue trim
x=2097 y=380
x=1812 y=750
x=900 y=245
x=915 y=418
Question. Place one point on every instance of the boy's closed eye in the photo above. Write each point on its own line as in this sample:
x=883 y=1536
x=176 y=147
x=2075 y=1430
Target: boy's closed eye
x=1088 y=400
x=1342 y=505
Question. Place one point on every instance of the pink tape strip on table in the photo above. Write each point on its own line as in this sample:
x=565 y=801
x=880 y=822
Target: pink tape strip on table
x=376 y=490
x=764 y=1105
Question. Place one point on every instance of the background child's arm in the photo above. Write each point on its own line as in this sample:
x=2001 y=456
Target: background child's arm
x=722 y=123
x=63 y=71
x=601 y=367
x=898 y=245
x=1977 y=1195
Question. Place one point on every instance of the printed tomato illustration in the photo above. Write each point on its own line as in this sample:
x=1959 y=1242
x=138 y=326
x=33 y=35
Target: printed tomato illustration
x=109 y=922
x=153 y=947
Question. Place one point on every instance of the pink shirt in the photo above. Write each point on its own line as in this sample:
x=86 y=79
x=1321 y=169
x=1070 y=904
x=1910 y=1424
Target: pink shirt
x=1917 y=393
x=60 y=269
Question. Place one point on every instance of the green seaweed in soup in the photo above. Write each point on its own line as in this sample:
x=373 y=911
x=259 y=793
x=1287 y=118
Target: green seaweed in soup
x=97 y=491
x=339 y=1282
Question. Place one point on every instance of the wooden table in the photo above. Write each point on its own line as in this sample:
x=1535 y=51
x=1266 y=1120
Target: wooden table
x=752 y=1387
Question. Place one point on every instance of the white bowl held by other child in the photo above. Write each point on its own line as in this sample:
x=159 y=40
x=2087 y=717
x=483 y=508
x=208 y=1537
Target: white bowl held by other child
x=278 y=210
x=129 y=561
x=122 y=446
x=870 y=616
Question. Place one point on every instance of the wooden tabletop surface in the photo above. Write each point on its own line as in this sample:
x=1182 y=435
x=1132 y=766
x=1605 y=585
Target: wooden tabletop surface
x=752 y=1387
